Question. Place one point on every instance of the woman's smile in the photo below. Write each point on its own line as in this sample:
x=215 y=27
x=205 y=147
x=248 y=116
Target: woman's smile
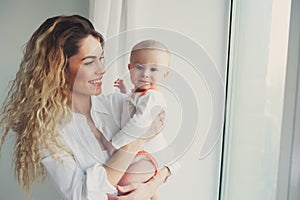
x=96 y=82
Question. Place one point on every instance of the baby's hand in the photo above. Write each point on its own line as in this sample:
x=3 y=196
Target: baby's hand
x=120 y=83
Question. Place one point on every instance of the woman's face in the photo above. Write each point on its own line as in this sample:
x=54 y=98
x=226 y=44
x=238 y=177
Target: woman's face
x=85 y=70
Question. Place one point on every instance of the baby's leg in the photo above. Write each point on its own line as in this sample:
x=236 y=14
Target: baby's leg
x=138 y=172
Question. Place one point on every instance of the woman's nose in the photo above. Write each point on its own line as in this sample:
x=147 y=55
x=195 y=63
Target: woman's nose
x=100 y=68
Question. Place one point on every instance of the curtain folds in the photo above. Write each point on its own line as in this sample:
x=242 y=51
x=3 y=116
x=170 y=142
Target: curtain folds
x=110 y=18
x=106 y=16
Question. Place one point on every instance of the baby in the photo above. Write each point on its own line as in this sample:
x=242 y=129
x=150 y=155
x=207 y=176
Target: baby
x=149 y=62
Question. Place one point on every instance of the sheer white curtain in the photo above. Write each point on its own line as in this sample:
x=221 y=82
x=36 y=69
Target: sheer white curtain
x=106 y=16
x=111 y=18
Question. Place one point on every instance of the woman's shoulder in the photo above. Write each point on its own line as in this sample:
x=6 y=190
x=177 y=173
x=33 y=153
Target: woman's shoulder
x=107 y=100
x=107 y=105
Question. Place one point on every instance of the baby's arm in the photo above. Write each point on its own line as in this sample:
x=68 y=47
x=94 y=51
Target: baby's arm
x=120 y=83
x=147 y=108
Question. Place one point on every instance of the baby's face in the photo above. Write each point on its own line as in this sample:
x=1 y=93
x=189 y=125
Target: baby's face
x=148 y=68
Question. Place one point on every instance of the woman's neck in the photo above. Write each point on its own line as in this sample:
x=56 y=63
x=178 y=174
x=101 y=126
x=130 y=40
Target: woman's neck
x=81 y=104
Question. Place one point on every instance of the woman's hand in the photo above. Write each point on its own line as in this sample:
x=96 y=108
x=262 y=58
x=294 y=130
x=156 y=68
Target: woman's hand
x=156 y=127
x=141 y=191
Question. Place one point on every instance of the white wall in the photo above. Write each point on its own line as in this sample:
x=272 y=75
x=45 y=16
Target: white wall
x=18 y=20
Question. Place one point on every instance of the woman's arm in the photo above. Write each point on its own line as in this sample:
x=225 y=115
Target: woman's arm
x=117 y=165
x=74 y=183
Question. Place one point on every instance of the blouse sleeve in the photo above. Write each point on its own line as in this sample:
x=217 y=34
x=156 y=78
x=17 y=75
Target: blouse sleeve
x=147 y=108
x=73 y=183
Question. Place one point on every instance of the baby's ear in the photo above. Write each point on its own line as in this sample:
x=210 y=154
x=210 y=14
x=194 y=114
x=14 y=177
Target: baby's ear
x=129 y=67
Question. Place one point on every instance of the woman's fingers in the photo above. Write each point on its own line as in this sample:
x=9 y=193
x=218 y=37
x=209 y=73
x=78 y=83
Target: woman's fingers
x=128 y=188
x=112 y=197
x=160 y=121
x=136 y=191
x=156 y=126
x=162 y=116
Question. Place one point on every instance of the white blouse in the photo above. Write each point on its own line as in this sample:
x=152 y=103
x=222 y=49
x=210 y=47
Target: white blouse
x=138 y=112
x=83 y=176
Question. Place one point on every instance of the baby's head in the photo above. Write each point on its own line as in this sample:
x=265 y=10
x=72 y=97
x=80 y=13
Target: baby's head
x=149 y=61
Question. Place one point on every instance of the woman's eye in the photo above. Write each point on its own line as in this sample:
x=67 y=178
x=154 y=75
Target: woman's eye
x=89 y=63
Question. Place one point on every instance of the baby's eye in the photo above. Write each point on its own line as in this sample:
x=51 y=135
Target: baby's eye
x=154 y=69
x=139 y=67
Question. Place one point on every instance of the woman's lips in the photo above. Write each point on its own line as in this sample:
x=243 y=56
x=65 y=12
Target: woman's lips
x=96 y=82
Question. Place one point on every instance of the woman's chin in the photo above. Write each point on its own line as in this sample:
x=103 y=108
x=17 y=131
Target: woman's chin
x=97 y=91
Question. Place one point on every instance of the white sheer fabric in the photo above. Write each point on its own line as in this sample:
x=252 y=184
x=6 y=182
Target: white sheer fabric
x=111 y=18
x=106 y=16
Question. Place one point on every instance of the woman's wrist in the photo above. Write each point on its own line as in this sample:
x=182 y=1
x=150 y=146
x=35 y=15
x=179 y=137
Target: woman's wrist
x=117 y=165
x=133 y=147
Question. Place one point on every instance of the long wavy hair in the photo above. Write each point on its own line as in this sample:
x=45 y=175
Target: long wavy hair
x=40 y=96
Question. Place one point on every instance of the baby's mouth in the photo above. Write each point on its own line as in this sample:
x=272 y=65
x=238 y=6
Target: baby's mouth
x=145 y=82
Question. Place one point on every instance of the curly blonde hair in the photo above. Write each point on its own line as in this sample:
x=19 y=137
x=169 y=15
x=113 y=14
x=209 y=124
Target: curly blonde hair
x=39 y=98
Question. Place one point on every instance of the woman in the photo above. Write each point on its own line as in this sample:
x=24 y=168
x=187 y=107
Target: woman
x=51 y=107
